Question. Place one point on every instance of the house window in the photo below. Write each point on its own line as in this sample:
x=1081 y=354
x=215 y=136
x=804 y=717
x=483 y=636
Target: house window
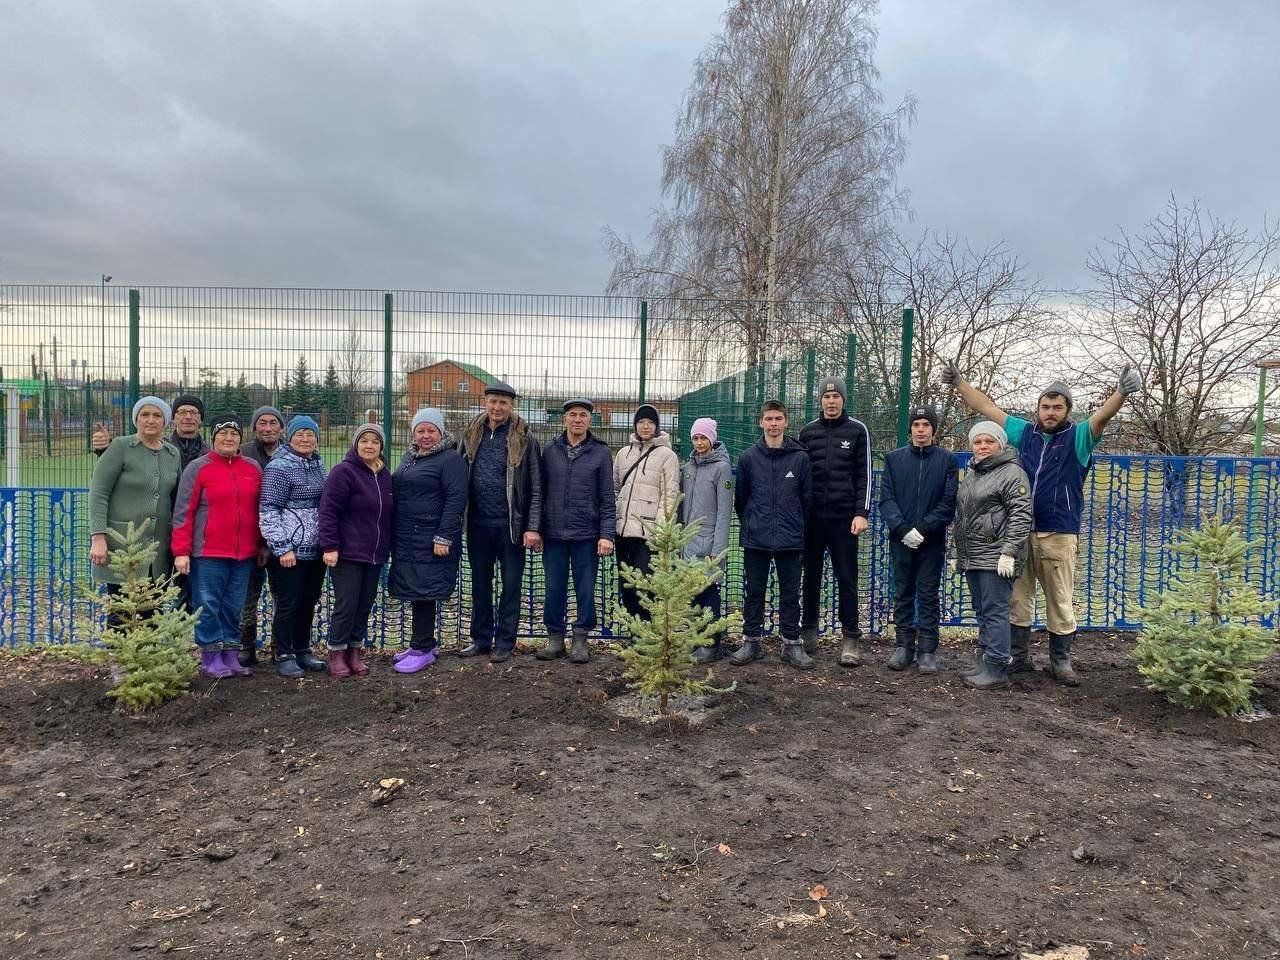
x=437 y=383
x=464 y=386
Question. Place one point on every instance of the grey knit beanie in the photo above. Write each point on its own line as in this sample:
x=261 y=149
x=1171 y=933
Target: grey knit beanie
x=1060 y=388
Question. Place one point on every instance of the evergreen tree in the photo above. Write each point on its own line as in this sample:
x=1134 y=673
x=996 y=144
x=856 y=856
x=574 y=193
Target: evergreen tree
x=146 y=635
x=659 y=661
x=332 y=397
x=299 y=391
x=1202 y=643
x=236 y=400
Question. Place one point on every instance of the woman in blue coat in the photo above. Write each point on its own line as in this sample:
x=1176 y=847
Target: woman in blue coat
x=430 y=493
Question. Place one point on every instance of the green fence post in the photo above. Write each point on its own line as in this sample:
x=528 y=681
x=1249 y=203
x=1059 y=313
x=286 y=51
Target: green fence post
x=48 y=418
x=904 y=382
x=644 y=346
x=782 y=382
x=810 y=373
x=88 y=415
x=387 y=310
x=851 y=371
x=135 y=318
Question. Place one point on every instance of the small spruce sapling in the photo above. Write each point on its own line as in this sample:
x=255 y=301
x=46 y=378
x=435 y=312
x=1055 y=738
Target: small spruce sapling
x=1202 y=643
x=659 y=660
x=146 y=635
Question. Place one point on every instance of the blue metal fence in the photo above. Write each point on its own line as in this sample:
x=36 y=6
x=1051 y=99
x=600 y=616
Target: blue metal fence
x=1133 y=506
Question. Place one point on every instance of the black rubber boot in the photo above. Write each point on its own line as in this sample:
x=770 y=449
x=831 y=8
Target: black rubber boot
x=579 y=652
x=901 y=658
x=288 y=667
x=1060 y=659
x=992 y=676
x=553 y=649
x=793 y=655
x=809 y=638
x=501 y=654
x=1020 y=649
x=248 y=655
x=309 y=661
x=750 y=650
x=849 y=655
x=708 y=654
x=472 y=649
x=974 y=667
x=926 y=654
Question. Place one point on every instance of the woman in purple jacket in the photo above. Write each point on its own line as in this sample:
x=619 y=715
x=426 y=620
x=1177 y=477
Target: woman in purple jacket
x=355 y=535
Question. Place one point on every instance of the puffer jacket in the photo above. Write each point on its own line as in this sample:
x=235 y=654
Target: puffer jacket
x=840 y=452
x=577 y=500
x=707 y=486
x=993 y=513
x=649 y=488
x=430 y=493
x=289 y=506
x=773 y=495
x=918 y=489
x=356 y=510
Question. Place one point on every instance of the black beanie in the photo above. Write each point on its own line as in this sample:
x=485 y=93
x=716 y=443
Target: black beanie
x=189 y=400
x=925 y=411
x=226 y=421
x=647 y=411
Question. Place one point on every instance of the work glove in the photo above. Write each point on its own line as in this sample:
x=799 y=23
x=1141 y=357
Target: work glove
x=1005 y=567
x=912 y=539
x=951 y=374
x=1130 y=382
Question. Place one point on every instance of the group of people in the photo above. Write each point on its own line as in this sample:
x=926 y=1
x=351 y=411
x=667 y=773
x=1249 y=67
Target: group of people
x=231 y=517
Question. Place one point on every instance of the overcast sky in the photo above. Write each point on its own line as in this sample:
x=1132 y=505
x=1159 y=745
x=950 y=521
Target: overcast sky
x=465 y=144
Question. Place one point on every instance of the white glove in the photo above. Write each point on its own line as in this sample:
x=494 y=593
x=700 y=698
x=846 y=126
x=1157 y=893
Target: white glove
x=912 y=539
x=1006 y=566
x=1130 y=383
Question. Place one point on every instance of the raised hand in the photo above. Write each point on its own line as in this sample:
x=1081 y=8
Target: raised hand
x=1130 y=382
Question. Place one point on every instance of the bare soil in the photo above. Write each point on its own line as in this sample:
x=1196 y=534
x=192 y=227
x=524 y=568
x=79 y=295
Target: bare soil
x=931 y=820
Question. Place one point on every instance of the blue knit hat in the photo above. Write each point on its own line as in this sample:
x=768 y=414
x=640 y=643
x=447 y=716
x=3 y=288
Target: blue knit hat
x=428 y=415
x=151 y=402
x=301 y=421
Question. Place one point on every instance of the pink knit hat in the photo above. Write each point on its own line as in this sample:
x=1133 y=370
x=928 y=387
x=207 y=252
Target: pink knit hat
x=706 y=427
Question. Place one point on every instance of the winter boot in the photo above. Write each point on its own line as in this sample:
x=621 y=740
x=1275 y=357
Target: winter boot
x=338 y=668
x=472 y=649
x=501 y=654
x=976 y=666
x=1020 y=649
x=849 y=655
x=579 y=652
x=992 y=676
x=751 y=649
x=553 y=649
x=793 y=655
x=901 y=658
x=417 y=660
x=309 y=661
x=355 y=664
x=231 y=660
x=211 y=665
x=1060 y=659
x=927 y=663
x=288 y=667
x=708 y=654
x=248 y=656
x=809 y=637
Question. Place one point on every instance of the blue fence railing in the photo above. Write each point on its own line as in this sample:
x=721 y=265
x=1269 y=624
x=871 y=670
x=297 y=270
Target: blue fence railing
x=1133 y=506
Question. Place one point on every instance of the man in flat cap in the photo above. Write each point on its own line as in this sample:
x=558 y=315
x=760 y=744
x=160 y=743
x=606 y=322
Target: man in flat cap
x=1056 y=454
x=578 y=516
x=504 y=512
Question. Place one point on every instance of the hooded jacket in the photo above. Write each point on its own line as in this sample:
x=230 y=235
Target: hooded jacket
x=523 y=472
x=706 y=483
x=918 y=490
x=356 y=511
x=289 y=508
x=430 y=493
x=577 y=502
x=645 y=492
x=773 y=495
x=993 y=513
x=215 y=512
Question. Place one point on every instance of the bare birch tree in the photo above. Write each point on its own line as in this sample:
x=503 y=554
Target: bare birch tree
x=1192 y=303
x=783 y=156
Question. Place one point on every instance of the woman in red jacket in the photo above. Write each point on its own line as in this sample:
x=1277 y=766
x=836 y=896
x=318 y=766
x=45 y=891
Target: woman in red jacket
x=216 y=540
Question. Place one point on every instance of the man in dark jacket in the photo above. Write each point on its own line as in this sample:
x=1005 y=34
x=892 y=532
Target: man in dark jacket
x=917 y=501
x=772 y=500
x=1056 y=455
x=839 y=450
x=267 y=426
x=504 y=512
x=578 y=517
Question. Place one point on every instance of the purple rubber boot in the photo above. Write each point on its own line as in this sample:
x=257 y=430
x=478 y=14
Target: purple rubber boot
x=231 y=662
x=417 y=660
x=211 y=665
x=402 y=654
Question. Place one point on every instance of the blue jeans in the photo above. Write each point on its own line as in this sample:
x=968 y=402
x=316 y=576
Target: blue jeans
x=557 y=558
x=991 y=593
x=218 y=588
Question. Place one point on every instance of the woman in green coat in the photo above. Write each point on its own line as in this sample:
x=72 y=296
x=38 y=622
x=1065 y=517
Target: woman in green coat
x=135 y=481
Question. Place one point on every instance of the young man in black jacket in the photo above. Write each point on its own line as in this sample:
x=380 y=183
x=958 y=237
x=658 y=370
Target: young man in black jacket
x=839 y=449
x=918 y=501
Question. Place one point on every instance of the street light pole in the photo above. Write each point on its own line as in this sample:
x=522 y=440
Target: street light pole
x=1260 y=417
x=102 y=324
